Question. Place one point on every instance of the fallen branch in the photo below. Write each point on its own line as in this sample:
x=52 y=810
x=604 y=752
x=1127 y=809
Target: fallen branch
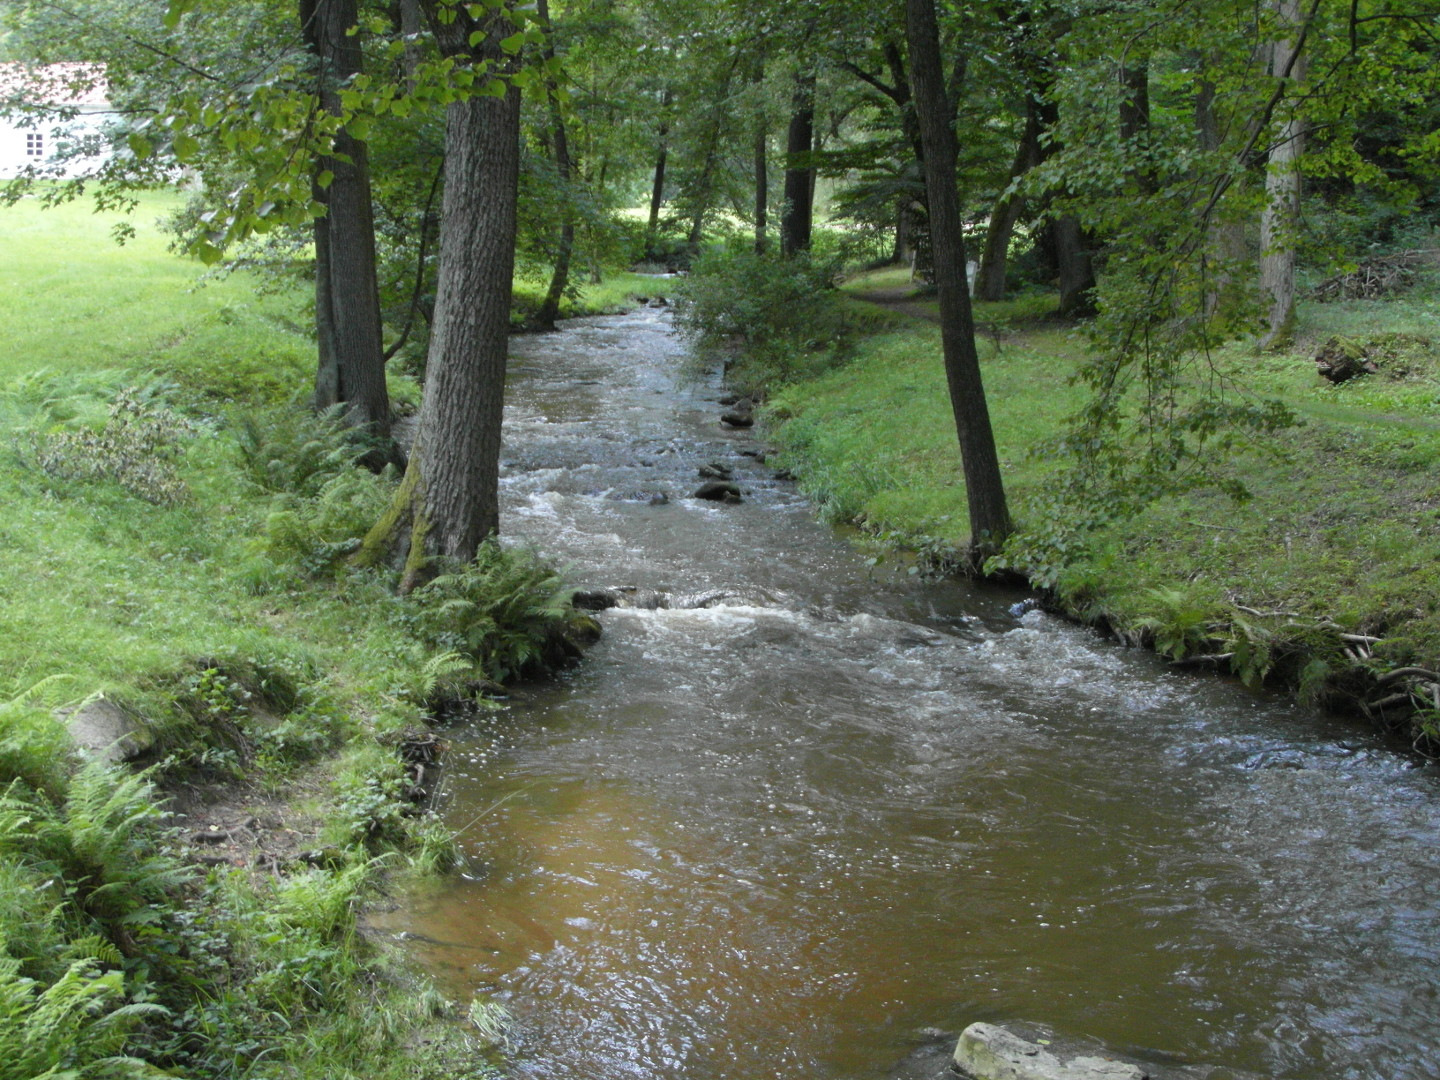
x=1407 y=673
x=1268 y=614
x=1205 y=658
x=1386 y=702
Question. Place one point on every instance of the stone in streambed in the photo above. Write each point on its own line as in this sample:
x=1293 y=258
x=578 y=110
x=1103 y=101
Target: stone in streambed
x=741 y=415
x=718 y=491
x=990 y=1052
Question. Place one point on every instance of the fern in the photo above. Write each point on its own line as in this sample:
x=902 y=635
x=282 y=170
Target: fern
x=103 y=843
x=73 y=1029
x=504 y=611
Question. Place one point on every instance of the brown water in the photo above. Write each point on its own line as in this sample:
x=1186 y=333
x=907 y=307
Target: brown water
x=785 y=835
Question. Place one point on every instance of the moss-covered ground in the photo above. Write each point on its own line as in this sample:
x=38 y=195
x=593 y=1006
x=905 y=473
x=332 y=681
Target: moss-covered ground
x=1340 y=537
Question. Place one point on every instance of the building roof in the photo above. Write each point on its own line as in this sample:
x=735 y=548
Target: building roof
x=68 y=85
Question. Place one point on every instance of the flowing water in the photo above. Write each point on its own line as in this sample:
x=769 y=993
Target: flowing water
x=794 y=831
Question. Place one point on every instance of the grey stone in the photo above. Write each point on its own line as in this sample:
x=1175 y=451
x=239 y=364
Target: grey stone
x=718 y=491
x=742 y=415
x=102 y=728
x=990 y=1052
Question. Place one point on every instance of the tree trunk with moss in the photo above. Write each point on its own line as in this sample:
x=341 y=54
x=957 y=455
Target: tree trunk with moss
x=448 y=502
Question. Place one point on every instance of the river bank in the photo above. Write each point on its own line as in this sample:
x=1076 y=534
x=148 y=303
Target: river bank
x=175 y=532
x=1324 y=582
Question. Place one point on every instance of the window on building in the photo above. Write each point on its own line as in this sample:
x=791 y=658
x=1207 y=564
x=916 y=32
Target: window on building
x=34 y=144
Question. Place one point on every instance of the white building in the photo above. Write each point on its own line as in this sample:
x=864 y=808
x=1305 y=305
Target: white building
x=53 y=119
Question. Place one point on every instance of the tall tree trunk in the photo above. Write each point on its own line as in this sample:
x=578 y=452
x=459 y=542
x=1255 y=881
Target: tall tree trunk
x=1075 y=266
x=448 y=502
x=411 y=26
x=904 y=250
x=1226 y=239
x=990 y=277
x=984 y=489
x=565 y=172
x=351 y=367
x=657 y=189
x=762 y=164
x=1135 y=122
x=1281 y=216
x=797 y=216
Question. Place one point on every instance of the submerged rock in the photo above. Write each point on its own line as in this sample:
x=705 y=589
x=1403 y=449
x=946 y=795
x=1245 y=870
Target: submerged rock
x=595 y=599
x=990 y=1052
x=718 y=491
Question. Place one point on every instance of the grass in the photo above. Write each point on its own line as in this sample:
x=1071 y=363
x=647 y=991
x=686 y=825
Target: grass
x=175 y=534
x=614 y=294
x=75 y=301
x=1342 y=534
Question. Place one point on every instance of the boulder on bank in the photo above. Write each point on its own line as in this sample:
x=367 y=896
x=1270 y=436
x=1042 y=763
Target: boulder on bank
x=990 y=1052
x=101 y=728
x=740 y=415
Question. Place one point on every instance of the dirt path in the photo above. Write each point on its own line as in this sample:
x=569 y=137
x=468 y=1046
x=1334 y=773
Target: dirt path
x=899 y=298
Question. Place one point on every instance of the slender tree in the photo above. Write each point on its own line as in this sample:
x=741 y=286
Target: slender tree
x=798 y=213
x=662 y=154
x=351 y=368
x=565 y=174
x=984 y=488
x=1281 y=216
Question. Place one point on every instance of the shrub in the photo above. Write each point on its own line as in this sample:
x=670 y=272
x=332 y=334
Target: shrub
x=74 y=1027
x=775 y=321
x=136 y=448
x=104 y=846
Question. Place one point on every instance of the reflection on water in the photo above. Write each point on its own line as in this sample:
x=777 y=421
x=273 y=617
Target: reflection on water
x=786 y=835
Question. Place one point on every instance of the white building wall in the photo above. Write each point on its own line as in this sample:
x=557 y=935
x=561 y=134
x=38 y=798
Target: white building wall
x=31 y=139
x=39 y=146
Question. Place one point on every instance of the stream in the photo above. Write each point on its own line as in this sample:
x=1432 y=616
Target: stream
x=836 y=812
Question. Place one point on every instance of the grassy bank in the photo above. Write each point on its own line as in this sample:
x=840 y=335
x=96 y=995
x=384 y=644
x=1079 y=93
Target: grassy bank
x=1326 y=580
x=175 y=537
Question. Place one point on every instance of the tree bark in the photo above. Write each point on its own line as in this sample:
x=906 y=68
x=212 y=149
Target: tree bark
x=565 y=172
x=351 y=365
x=984 y=489
x=798 y=214
x=449 y=501
x=1281 y=216
x=657 y=189
x=1135 y=121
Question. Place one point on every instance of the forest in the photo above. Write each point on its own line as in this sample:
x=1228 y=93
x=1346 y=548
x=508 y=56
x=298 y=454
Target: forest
x=1130 y=304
